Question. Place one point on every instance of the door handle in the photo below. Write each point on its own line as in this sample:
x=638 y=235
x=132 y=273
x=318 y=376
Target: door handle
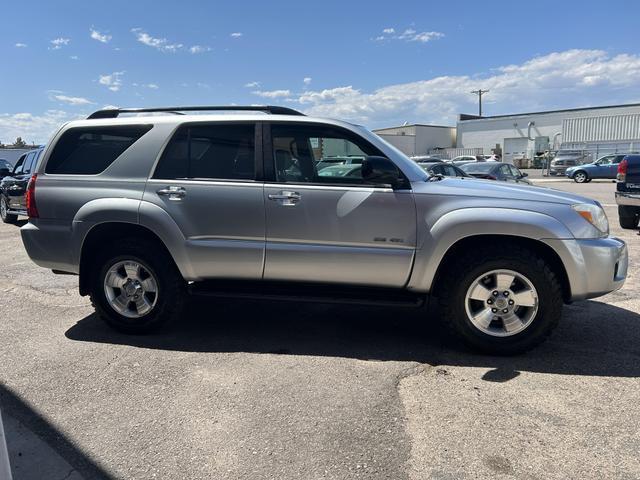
x=285 y=197
x=173 y=192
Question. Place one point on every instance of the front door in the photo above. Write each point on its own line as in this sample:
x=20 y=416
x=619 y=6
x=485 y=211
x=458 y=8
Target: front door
x=325 y=224
x=206 y=181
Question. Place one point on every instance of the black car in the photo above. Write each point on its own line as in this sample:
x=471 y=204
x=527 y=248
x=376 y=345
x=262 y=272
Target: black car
x=5 y=168
x=13 y=187
x=496 y=171
x=628 y=191
x=441 y=168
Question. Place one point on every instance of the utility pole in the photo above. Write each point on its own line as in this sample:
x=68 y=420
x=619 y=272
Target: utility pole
x=479 y=92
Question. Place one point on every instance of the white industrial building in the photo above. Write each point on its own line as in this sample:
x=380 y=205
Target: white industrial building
x=596 y=130
x=418 y=139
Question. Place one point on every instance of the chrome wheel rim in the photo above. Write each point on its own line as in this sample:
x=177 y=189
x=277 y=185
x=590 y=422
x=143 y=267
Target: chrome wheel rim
x=580 y=177
x=131 y=288
x=3 y=208
x=501 y=303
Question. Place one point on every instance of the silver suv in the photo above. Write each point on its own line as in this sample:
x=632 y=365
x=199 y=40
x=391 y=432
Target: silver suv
x=147 y=208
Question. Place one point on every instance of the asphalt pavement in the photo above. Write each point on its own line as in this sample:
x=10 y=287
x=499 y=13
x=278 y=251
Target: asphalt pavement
x=261 y=390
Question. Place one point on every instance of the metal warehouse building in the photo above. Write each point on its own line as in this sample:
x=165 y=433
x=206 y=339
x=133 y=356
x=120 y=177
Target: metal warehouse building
x=418 y=139
x=596 y=130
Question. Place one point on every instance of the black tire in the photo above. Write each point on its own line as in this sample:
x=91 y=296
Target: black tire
x=4 y=216
x=581 y=177
x=171 y=287
x=628 y=216
x=462 y=271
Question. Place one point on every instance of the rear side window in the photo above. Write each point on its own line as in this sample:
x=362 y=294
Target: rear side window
x=215 y=151
x=90 y=150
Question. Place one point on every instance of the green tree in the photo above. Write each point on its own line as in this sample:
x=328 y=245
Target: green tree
x=19 y=143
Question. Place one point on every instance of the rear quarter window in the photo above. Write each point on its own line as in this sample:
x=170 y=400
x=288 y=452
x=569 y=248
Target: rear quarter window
x=90 y=150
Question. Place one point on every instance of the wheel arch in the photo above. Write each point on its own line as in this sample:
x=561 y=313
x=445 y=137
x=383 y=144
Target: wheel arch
x=106 y=233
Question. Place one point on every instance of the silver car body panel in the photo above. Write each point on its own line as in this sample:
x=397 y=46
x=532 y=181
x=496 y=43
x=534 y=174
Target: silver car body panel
x=353 y=235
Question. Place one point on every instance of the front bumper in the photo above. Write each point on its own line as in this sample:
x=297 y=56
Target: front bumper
x=626 y=198
x=594 y=267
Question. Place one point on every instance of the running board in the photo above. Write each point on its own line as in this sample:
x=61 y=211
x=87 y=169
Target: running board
x=304 y=292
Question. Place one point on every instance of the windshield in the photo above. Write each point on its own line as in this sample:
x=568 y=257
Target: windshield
x=481 y=167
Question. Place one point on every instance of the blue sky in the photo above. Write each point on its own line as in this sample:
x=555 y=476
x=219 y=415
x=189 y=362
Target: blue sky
x=374 y=63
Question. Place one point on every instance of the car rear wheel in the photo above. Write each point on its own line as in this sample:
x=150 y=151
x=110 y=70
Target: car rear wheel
x=137 y=288
x=502 y=303
x=5 y=216
x=580 y=177
x=628 y=216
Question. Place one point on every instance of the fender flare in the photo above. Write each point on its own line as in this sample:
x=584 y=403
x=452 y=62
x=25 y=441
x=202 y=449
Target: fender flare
x=477 y=222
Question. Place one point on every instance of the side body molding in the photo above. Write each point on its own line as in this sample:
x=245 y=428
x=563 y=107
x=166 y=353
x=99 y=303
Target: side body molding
x=456 y=225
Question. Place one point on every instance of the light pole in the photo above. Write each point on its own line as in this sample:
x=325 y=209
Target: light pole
x=479 y=92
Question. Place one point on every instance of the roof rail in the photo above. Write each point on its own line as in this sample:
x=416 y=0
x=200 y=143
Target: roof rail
x=115 y=112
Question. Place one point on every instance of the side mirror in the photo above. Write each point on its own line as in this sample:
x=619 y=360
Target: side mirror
x=381 y=171
x=5 y=172
x=524 y=174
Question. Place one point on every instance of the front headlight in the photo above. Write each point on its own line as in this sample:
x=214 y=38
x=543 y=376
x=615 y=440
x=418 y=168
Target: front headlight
x=594 y=214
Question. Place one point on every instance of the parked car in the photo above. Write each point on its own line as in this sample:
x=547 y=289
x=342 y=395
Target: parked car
x=146 y=209
x=13 y=187
x=442 y=168
x=339 y=160
x=425 y=158
x=5 y=168
x=628 y=191
x=604 y=167
x=352 y=170
x=496 y=171
x=565 y=159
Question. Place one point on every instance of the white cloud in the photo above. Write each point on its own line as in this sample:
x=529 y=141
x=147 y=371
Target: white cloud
x=32 y=127
x=20 y=45
x=101 y=37
x=272 y=93
x=71 y=100
x=113 y=81
x=202 y=85
x=161 y=44
x=408 y=35
x=73 y=57
x=152 y=86
x=199 y=49
x=252 y=85
x=59 y=42
x=573 y=78
x=306 y=80
x=236 y=34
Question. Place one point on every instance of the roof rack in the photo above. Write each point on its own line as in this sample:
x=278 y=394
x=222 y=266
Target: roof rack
x=115 y=112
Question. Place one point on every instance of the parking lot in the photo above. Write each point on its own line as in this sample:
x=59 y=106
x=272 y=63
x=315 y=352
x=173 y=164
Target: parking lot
x=249 y=389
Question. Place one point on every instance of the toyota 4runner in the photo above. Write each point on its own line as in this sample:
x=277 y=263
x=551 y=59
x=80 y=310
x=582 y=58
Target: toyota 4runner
x=148 y=208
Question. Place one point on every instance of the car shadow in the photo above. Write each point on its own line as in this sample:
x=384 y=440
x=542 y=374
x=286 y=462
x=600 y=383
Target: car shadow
x=593 y=338
x=14 y=406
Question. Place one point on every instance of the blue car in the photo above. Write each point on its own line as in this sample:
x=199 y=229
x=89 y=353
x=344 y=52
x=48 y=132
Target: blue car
x=604 y=167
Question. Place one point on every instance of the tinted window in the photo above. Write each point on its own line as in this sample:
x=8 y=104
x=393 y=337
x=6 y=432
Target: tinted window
x=17 y=170
x=480 y=167
x=31 y=162
x=90 y=150
x=5 y=164
x=298 y=150
x=210 y=151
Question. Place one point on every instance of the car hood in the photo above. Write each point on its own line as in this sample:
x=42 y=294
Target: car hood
x=495 y=189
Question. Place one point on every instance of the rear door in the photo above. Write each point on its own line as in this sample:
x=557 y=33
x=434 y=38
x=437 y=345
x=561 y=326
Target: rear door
x=207 y=179
x=332 y=229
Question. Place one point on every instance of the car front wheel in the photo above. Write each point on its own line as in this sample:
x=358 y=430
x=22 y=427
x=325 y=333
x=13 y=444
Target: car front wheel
x=580 y=177
x=503 y=303
x=5 y=216
x=137 y=287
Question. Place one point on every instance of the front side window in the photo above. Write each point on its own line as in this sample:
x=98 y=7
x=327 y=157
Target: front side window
x=605 y=161
x=318 y=154
x=90 y=150
x=17 y=170
x=210 y=151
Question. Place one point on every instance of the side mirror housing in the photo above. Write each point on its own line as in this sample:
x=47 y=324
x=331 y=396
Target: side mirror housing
x=5 y=172
x=381 y=171
x=525 y=174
